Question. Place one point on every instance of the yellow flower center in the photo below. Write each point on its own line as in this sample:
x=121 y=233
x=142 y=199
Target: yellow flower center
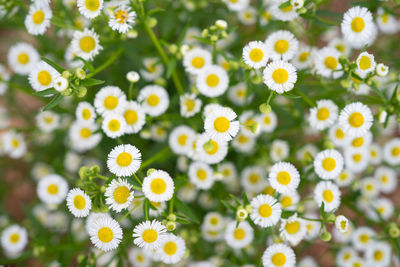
x=292 y=227
x=149 y=235
x=85 y=132
x=385 y=18
x=331 y=63
x=357 y=142
x=182 y=139
x=265 y=210
x=364 y=238
x=38 y=17
x=153 y=100
x=190 y=104
x=239 y=234
x=242 y=139
x=278 y=259
x=121 y=194
x=23 y=58
x=105 y=234
x=212 y=80
x=214 y=221
x=221 y=124
x=14 y=238
x=357 y=157
x=254 y=178
x=44 y=78
x=340 y=48
x=286 y=201
x=79 y=202
x=339 y=134
x=328 y=195
x=303 y=56
x=86 y=114
x=358 y=24
x=201 y=174
x=92 y=5
x=130 y=116
x=329 y=164
x=114 y=125
x=52 y=189
x=269 y=190
x=280 y=75
x=121 y=16
x=378 y=255
x=158 y=186
x=198 y=62
x=170 y=248
x=283 y=178
x=256 y=54
x=287 y=9
x=211 y=147
x=364 y=63
x=87 y=44
x=356 y=119
x=281 y=46
x=323 y=114
x=124 y=159
x=396 y=151
x=110 y=102
x=343 y=224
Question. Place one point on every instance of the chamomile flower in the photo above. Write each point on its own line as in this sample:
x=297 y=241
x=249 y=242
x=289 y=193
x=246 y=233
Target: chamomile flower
x=289 y=200
x=153 y=69
x=253 y=178
x=384 y=207
x=149 y=234
x=78 y=203
x=340 y=45
x=323 y=115
x=110 y=99
x=86 y=44
x=337 y=136
x=90 y=8
x=38 y=19
x=134 y=116
x=362 y=237
x=42 y=76
x=210 y=151
x=239 y=237
x=379 y=254
x=313 y=227
x=122 y=19
x=213 y=221
x=369 y=187
x=139 y=257
x=303 y=58
x=154 y=100
x=266 y=210
x=358 y=27
x=113 y=125
x=284 y=177
x=124 y=160
x=238 y=94
x=342 y=223
x=355 y=119
x=327 y=193
x=196 y=60
x=47 y=121
x=365 y=63
x=387 y=179
x=105 y=233
x=248 y=16
x=293 y=229
x=181 y=139
x=328 y=164
x=158 y=186
x=237 y=5
x=171 y=249
x=201 y=175
x=22 y=58
x=281 y=45
x=118 y=194
x=375 y=152
x=268 y=122
x=244 y=143
x=83 y=137
x=356 y=160
x=327 y=64
x=345 y=178
x=287 y=13
x=255 y=54
x=280 y=76
x=381 y=69
x=212 y=81
x=85 y=112
x=279 y=150
x=391 y=151
x=52 y=189
x=307 y=152
x=220 y=124
x=14 y=239
x=189 y=104
x=361 y=142
x=279 y=255
x=345 y=255
x=386 y=22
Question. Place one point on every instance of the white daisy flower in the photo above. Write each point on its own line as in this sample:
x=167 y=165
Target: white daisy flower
x=13 y=144
x=249 y=124
x=85 y=112
x=287 y=13
x=220 y=124
x=279 y=255
x=266 y=210
x=83 y=136
x=345 y=178
x=293 y=229
x=189 y=104
x=279 y=150
x=238 y=94
x=323 y=115
x=345 y=255
x=361 y=142
x=391 y=151
x=210 y=151
x=52 y=189
x=362 y=238
x=289 y=200
x=326 y=63
x=212 y=81
x=239 y=237
x=284 y=177
x=340 y=45
x=154 y=100
x=149 y=234
x=356 y=160
x=369 y=187
x=110 y=99
x=244 y=143
x=268 y=122
x=22 y=58
x=38 y=19
x=281 y=45
x=139 y=257
x=355 y=119
x=158 y=186
x=237 y=5
x=386 y=22
x=365 y=63
x=113 y=125
x=42 y=76
x=248 y=16
x=86 y=44
x=328 y=164
x=337 y=136
x=201 y=175
x=375 y=154
x=379 y=254
x=213 y=221
x=280 y=76
x=384 y=207
x=387 y=178
x=196 y=60
x=303 y=58
x=124 y=160
x=307 y=152
x=105 y=233
x=122 y=19
x=255 y=54
x=14 y=239
x=78 y=202
x=134 y=116
x=253 y=178
x=358 y=27
x=153 y=69
x=381 y=69
x=47 y=121
x=313 y=227
x=329 y=194
x=118 y=194
x=172 y=249
x=181 y=139
x=342 y=223
x=90 y=8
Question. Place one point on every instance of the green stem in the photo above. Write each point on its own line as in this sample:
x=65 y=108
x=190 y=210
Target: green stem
x=171 y=206
x=137 y=178
x=130 y=91
x=127 y=213
x=155 y=157
x=146 y=209
x=102 y=177
x=107 y=63
x=305 y=98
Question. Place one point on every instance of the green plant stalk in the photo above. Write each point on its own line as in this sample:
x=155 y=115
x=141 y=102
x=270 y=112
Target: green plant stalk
x=107 y=63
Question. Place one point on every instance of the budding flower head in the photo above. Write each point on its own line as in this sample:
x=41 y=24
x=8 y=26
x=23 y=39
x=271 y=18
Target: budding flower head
x=326 y=236
x=222 y=24
x=133 y=76
x=171 y=217
x=265 y=108
x=171 y=226
x=394 y=231
x=241 y=214
x=82 y=91
x=330 y=217
x=132 y=34
x=297 y=3
x=184 y=49
x=80 y=73
x=149 y=171
x=249 y=208
x=60 y=84
x=218 y=175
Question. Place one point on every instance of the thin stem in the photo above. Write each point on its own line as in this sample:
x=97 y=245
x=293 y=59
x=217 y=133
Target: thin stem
x=171 y=206
x=137 y=178
x=130 y=91
x=154 y=158
x=127 y=213
x=305 y=98
x=102 y=177
x=146 y=209
x=107 y=63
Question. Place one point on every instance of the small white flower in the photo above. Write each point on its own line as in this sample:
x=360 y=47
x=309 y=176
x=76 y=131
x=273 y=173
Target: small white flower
x=60 y=84
x=158 y=186
x=124 y=160
x=78 y=202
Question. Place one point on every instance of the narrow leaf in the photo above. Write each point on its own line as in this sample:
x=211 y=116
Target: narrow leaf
x=46 y=92
x=184 y=209
x=171 y=67
x=91 y=82
x=53 y=64
x=54 y=102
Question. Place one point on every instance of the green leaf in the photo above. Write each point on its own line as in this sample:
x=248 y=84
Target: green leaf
x=287 y=213
x=171 y=67
x=54 y=102
x=184 y=209
x=245 y=199
x=53 y=64
x=155 y=10
x=83 y=262
x=378 y=92
x=91 y=82
x=228 y=205
x=87 y=65
x=293 y=96
x=46 y=92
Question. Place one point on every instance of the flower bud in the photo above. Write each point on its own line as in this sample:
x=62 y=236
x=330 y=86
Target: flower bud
x=152 y=22
x=330 y=217
x=66 y=74
x=149 y=171
x=81 y=91
x=221 y=24
x=326 y=236
x=171 y=226
x=60 y=84
x=394 y=231
x=133 y=76
x=80 y=73
x=241 y=214
x=265 y=108
x=171 y=217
